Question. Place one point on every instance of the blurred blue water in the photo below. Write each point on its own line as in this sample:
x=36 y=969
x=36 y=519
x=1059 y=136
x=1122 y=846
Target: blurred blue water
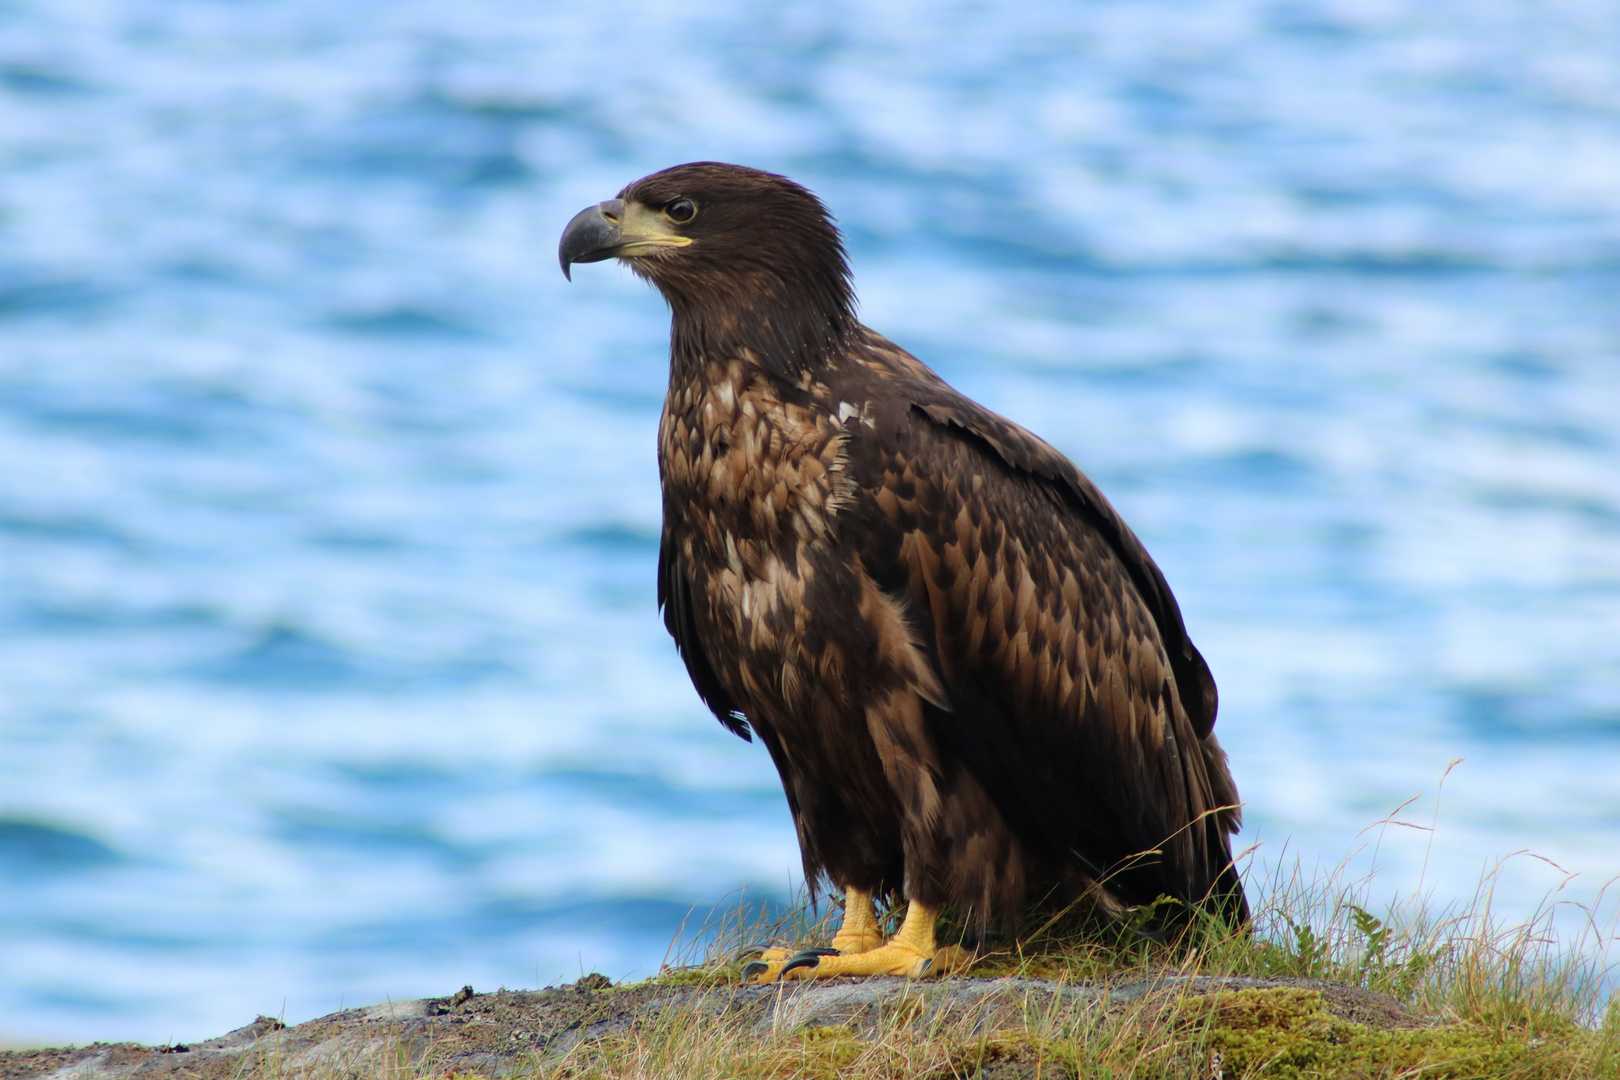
x=329 y=666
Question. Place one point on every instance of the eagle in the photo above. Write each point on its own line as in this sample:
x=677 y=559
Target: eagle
x=974 y=681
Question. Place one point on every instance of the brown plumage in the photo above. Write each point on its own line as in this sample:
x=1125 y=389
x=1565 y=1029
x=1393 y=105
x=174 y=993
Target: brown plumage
x=975 y=683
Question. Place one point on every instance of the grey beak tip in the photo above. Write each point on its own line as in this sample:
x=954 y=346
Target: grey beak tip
x=589 y=237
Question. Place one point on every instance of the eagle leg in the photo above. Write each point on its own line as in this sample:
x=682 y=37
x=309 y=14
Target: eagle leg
x=859 y=932
x=911 y=952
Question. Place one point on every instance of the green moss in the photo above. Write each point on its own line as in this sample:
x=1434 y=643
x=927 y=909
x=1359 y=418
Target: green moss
x=1289 y=1034
x=1017 y=1054
x=706 y=977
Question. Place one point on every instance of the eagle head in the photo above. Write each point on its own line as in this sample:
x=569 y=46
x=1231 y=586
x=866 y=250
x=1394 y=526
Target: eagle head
x=745 y=258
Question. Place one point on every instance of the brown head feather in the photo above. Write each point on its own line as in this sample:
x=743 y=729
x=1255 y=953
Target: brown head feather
x=765 y=270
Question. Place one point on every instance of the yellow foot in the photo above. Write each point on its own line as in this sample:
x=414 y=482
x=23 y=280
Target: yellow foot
x=768 y=968
x=767 y=961
x=951 y=958
x=910 y=953
x=858 y=934
x=848 y=941
x=764 y=952
x=895 y=958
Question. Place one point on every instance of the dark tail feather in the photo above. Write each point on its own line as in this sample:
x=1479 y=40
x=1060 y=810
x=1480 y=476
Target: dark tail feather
x=1226 y=899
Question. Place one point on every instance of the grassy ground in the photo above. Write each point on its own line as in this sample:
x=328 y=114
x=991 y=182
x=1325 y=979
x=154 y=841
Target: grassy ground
x=1485 y=999
x=1451 y=993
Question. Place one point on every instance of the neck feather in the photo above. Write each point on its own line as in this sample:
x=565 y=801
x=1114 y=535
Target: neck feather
x=788 y=327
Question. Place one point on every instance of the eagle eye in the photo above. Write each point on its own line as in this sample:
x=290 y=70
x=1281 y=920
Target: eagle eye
x=681 y=211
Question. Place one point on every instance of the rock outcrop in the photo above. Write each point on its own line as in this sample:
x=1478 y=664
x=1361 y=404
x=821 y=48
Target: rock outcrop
x=498 y=1033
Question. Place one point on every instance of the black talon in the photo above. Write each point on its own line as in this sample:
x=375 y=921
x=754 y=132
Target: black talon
x=809 y=958
x=758 y=967
x=928 y=963
x=818 y=951
x=753 y=948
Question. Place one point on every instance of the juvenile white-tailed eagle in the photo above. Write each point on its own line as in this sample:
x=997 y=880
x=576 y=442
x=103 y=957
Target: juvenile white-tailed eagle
x=973 y=680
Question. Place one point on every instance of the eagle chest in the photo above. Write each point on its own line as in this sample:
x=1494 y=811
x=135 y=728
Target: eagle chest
x=753 y=489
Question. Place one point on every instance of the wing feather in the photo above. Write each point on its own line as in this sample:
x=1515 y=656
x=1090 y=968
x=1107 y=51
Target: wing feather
x=675 y=598
x=1073 y=691
x=1021 y=451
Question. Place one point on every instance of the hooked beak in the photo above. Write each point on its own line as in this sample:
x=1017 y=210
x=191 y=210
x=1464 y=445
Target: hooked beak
x=593 y=235
x=611 y=229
